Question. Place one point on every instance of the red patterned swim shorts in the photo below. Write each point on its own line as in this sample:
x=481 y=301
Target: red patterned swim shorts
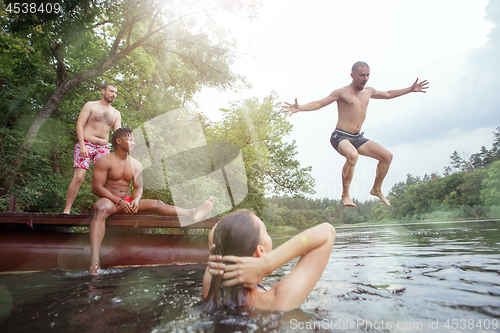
x=95 y=152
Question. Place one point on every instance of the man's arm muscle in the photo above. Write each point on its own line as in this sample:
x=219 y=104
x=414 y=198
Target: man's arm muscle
x=118 y=122
x=83 y=117
x=316 y=105
x=389 y=94
x=415 y=87
x=137 y=181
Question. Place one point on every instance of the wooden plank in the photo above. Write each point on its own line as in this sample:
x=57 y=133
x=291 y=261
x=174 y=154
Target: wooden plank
x=58 y=219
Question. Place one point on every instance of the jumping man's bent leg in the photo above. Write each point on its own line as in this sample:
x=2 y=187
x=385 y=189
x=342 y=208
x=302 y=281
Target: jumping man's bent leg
x=347 y=150
x=73 y=188
x=102 y=209
x=375 y=150
x=147 y=206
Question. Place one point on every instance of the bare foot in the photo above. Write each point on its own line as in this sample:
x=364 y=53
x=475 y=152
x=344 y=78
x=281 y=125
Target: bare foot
x=202 y=210
x=94 y=269
x=346 y=201
x=381 y=196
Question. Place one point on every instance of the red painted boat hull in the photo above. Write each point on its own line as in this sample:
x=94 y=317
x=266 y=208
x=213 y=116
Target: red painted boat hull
x=36 y=251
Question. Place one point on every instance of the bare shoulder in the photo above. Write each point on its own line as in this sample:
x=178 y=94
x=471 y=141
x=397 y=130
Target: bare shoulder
x=135 y=163
x=343 y=92
x=370 y=90
x=88 y=107
x=263 y=300
x=105 y=161
x=92 y=104
x=339 y=92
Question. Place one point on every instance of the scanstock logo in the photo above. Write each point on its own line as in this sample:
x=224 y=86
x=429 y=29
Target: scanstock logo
x=174 y=154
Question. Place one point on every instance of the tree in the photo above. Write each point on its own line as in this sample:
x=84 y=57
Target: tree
x=115 y=40
x=480 y=159
x=258 y=129
x=461 y=163
x=400 y=188
x=490 y=194
x=495 y=150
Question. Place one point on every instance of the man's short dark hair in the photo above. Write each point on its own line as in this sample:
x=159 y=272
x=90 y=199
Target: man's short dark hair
x=106 y=85
x=357 y=65
x=120 y=133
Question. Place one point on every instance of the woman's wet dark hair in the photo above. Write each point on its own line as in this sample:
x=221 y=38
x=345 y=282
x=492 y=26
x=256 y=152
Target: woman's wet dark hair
x=235 y=234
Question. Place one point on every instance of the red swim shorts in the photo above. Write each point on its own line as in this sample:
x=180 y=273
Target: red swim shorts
x=125 y=198
x=95 y=152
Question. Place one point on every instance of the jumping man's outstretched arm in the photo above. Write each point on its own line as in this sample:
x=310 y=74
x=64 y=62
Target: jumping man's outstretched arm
x=316 y=105
x=415 y=87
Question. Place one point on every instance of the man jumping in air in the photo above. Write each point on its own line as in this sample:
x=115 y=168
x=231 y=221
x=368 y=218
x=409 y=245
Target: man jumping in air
x=352 y=102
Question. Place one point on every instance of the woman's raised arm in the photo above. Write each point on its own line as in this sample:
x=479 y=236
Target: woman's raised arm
x=314 y=245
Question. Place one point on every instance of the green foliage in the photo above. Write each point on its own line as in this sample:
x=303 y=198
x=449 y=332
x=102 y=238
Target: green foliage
x=305 y=212
x=39 y=193
x=463 y=192
x=160 y=54
x=448 y=192
x=258 y=129
x=484 y=158
x=490 y=195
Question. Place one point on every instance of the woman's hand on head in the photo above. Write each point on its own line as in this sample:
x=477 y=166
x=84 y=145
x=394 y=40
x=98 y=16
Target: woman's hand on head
x=248 y=271
x=215 y=264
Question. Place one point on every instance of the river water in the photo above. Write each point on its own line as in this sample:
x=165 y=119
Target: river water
x=432 y=277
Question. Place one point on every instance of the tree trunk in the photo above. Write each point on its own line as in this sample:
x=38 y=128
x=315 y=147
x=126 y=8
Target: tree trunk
x=37 y=123
x=54 y=154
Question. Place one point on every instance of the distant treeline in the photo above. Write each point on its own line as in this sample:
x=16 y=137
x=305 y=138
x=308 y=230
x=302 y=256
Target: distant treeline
x=468 y=189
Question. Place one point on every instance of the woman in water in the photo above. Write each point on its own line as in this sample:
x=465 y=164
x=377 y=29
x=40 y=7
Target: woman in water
x=242 y=238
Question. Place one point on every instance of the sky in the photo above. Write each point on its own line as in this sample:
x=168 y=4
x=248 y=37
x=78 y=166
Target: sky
x=305 y=50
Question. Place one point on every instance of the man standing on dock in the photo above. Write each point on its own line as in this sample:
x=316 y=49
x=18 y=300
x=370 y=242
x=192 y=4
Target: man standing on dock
x=92 y=130
x=352 y=102
x=111 y=180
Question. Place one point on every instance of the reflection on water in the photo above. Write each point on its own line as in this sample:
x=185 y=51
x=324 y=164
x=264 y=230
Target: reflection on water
x=436 y=277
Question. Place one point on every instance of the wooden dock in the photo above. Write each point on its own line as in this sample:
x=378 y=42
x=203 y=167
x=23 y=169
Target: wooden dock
x=42 y=241
x=83 y=220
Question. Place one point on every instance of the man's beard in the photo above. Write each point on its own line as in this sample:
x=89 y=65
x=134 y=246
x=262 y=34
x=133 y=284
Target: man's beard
x=107 y=99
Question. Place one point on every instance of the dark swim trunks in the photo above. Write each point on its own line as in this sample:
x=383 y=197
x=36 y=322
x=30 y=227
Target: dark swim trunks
x=357 y=139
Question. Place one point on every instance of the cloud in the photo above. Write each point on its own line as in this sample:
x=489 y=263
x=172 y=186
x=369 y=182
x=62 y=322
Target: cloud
x=470 y=103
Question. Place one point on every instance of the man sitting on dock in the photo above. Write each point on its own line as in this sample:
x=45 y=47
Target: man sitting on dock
x=111 y=182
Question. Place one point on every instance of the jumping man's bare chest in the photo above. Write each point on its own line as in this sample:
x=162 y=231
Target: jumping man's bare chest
x=354 y=103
